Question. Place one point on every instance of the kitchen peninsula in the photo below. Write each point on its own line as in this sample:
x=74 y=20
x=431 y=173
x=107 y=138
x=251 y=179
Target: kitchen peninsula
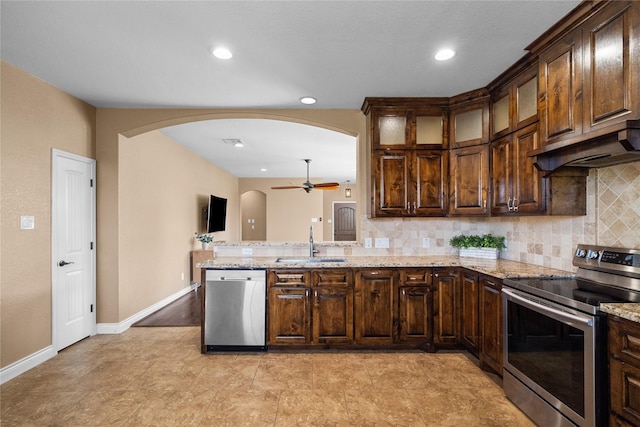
x=376 y=302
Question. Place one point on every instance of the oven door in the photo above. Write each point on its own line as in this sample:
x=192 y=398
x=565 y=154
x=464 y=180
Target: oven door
x=550 y=360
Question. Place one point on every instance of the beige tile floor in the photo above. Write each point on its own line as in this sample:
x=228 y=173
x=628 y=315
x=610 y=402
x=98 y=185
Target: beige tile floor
x=157 y=377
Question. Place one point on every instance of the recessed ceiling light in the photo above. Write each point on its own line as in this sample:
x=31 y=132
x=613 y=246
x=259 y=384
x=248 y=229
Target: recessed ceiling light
x=308 y=100
x=263 y=170
x=444 y=54
x=222 y=53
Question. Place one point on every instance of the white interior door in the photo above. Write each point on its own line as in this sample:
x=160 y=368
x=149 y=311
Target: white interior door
x=73 y=253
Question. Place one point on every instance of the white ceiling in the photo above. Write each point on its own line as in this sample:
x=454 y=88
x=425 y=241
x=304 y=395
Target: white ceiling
x=156 y=54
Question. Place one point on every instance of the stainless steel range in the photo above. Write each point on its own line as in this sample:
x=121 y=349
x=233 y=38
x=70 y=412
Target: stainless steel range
x=555 y=337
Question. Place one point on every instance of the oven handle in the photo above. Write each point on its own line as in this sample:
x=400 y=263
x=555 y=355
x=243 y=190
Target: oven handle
x=530 y=303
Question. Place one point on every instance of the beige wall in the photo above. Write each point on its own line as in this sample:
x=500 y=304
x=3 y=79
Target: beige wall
x=289 y=212
x=160 y=212
x=35 y=118
x=115 y=124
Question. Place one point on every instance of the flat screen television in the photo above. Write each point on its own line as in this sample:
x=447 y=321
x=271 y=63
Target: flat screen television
x=216 y=214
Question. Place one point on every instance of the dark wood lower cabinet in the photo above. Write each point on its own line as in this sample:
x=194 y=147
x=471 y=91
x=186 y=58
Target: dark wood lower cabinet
x=447 y=301
x=289 y=315
x=375 y=306
x=470 y=311
x=624 y=371
x=414 y=307
x=426 y=308
x=332 y=307
x=491 y=323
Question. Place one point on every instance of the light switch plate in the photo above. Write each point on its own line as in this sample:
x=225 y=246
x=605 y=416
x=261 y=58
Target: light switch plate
x=27 y=222
x=382 y=242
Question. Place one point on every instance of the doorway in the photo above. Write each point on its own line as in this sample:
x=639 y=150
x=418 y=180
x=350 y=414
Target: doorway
x=344 y=221
x=73 y=255
x=253 y=209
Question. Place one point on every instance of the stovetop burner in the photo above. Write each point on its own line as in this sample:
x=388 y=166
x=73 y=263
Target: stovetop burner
x=562 y=291
x=604 y=275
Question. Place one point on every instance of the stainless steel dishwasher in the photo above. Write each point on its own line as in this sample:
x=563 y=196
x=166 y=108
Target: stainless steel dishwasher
x=234 y=310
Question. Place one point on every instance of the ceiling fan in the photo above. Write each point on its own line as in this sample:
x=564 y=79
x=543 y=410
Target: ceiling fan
x=308 y=186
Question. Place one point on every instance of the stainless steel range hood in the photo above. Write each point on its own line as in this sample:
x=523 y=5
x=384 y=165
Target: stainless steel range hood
x=613 y=146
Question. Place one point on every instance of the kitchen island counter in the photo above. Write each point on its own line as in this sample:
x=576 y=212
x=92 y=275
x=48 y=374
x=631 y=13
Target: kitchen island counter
x=497 y=268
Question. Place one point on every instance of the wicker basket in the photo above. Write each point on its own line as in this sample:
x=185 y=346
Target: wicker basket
x=487 y=253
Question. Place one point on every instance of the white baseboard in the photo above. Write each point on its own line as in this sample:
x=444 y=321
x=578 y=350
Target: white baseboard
x=23 y=365
x=118 y=328
x=41 y=356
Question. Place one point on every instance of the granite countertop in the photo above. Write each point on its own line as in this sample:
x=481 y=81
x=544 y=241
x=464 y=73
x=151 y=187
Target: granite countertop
x=497 y=268
x=626 y=310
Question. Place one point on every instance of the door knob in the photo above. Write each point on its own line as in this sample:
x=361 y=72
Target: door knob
x=63 y=263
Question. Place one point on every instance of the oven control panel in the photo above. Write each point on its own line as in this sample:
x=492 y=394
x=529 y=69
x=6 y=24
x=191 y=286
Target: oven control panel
x=624 y=261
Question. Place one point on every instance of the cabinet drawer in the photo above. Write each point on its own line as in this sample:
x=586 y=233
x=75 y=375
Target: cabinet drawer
x=289 y=278
x=334 y=278
x=415 y=277
x=625 y=390
x=624 y=340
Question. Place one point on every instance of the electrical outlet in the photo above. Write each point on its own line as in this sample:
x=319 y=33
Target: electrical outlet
x=425 y=242
x=382 y=242
x=367 y=242
x=247 y=251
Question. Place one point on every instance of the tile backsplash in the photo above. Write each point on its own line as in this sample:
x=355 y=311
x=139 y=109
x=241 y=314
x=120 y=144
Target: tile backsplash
x=613 y=219
x=618 y=206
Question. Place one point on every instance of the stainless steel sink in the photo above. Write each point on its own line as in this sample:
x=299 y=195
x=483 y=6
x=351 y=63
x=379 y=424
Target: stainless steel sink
x=304 y=260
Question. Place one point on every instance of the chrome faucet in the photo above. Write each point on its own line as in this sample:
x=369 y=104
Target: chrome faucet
x=312 y=250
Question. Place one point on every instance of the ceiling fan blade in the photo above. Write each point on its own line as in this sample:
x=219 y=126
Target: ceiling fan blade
x=286 y=187
x=327 y=186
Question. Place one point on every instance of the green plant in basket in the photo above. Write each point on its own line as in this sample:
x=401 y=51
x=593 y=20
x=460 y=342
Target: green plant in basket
x=475 y=241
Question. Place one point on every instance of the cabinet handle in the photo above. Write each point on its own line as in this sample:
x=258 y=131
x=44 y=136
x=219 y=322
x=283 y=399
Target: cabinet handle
x=484 y=204
x=315 y=294
x=509 y=206
x=515 y=207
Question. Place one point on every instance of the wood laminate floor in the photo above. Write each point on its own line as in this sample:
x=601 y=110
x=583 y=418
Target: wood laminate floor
x=158 y=377
x=185 y=311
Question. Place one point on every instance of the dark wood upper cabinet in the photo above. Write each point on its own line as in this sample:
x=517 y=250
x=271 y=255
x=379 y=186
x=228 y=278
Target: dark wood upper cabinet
x=469 y=120
x=469 y=181
x=611 y=66
x=409 y=183
x=517 y=185
x=514 y=105
x=560 y=82
x=409 y=159
x=590 y=77
x=407 y=123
